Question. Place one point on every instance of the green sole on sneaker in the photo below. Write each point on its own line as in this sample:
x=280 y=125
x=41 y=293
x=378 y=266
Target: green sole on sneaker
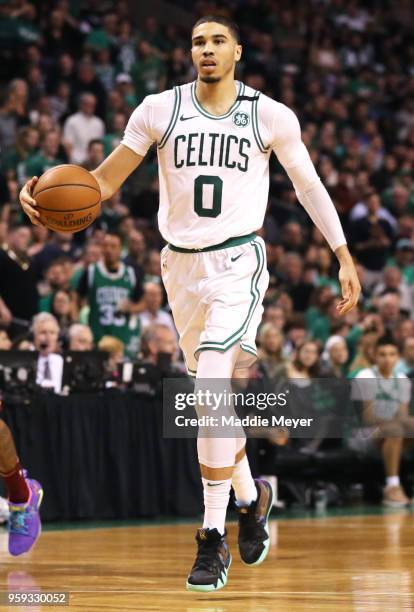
x=208 y=588
x=267 y=543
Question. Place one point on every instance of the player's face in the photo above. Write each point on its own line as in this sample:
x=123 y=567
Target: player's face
x=214 y=51
x=386 y=358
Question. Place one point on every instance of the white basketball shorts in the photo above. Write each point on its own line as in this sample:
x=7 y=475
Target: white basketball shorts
x=216 y=296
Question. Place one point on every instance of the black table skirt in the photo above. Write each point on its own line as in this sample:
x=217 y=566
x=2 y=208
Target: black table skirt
x=103 y=456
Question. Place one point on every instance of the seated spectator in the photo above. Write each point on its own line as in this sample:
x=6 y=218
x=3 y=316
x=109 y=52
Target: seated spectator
x=59 y=101
x=364 y=357
x=82 y=127
x=57 y=278
x=335 y=356
x=153 y=267
x=371 y=238
x=91 y=254
x=389 y=308
x=404 y=259
x=95 y=154
x=60 y=244
x=13 y=165
x=323 y=327
x=136 y=249
x=299 y=291
x=152 y=312
x=50 y=363
x=385 y=396
x=86 y=82
x=80 y=337
x=64 y=309
x=270 y=353
x=47 y=157
x=159 y=338
x=115 y=349
x=115 y=133
x=113 y=211
x=319 y=304
x=148 y=72
x=275 y=315
x=296 y=334
x=406 y=362
x=393 y=282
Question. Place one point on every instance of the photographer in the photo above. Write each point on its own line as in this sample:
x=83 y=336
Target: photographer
x=50 y=363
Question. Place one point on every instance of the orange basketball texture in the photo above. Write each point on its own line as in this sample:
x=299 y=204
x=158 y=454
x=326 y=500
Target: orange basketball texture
x=68 y=198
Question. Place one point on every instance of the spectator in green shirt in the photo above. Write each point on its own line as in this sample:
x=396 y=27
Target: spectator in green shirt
x=14 y=163
x=148 y=73
x=47 y=156
x=404 y=259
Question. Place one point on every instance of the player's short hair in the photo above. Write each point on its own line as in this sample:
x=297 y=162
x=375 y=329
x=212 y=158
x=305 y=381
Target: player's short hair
x=232 y=27
x=387 y=340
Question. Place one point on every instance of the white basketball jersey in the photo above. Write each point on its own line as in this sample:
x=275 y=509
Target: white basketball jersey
x=213 y=170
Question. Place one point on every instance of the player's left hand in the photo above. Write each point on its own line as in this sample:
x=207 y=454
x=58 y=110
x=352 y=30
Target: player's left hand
x=350 y=286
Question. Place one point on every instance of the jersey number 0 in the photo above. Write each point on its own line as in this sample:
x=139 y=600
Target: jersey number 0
x=212 y=195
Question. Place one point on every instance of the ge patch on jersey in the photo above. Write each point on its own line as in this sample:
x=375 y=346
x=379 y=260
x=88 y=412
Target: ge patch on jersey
x=241 y=119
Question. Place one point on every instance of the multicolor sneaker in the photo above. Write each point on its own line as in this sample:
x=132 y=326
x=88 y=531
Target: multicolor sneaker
x=209 y=572
x=254 y=538
x=24 y=521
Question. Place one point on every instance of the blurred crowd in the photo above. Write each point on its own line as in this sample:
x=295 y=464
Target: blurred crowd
x=72 y=72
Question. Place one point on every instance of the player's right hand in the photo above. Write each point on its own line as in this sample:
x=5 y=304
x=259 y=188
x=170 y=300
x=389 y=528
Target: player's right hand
x=28 y=203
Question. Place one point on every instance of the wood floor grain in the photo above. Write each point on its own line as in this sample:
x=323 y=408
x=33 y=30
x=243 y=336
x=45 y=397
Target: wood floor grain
x=349 y=563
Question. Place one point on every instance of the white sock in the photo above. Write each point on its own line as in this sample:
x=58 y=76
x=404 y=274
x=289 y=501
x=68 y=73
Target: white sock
x=392 y=481
x=243 y=483
x=213 y=450
x=216 y=499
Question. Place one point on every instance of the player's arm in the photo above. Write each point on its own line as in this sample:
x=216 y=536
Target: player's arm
x=115 y=169
x=110 y=175
x=313 y=196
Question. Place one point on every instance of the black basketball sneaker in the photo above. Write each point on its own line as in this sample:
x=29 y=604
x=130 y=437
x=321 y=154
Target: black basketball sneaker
x=209 y=572
x=253 y=525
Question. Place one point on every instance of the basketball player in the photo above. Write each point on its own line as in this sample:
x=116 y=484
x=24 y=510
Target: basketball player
x=214 y=139
x=24 y=496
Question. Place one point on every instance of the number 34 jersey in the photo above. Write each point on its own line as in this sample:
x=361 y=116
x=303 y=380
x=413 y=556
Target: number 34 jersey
x=213 y=170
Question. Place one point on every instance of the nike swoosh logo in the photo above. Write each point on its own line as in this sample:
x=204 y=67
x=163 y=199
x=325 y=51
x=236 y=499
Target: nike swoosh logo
x=209 y=484
x=237 y=257
x=182 y=118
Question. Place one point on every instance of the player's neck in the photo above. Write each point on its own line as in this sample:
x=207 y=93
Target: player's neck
x=217 y=98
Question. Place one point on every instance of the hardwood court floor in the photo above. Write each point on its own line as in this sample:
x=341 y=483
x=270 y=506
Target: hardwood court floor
x=358 y=563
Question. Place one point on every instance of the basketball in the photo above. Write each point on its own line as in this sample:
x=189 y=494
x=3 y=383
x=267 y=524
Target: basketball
x=68 y=198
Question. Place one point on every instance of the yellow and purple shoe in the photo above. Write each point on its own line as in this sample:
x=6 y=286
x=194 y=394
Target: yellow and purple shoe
x=24 y=521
